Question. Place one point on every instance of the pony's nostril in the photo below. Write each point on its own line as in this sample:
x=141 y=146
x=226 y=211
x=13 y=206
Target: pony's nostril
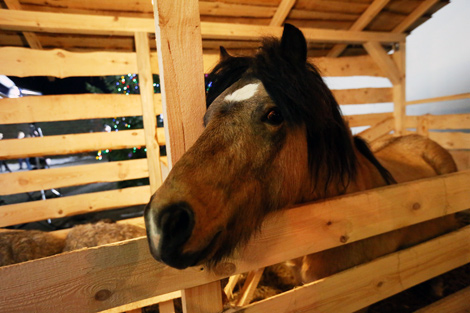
x=176 y=223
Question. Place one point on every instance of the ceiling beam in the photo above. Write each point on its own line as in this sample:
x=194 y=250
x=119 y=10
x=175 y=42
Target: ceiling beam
x=369 y=14
x=282 y=12
x=30 y=37
x=415 y=15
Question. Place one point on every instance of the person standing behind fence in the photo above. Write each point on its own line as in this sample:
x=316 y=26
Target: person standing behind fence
x=21 y=135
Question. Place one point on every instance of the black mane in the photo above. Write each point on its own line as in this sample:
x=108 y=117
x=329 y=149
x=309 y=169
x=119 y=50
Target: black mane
x=304 y=99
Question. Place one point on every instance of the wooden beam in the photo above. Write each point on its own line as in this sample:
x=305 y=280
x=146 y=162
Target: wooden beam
x=414 y=16
x=393 y=273
x=75 y=143
x=282 y=12
x=109 y=25
x=181 y=73
x=43 y=179
x=363 y=95
x=365 y=119
x=205 y=298
x=372 y=11
x=384 y=61
x=440 y=99
x=71 y=107
x=451 y=140
x=252 y=280
x=378 y=130
x=149 y=115
x=32 y=211
x=288 y=234
x=30 y=37
x=399 y=89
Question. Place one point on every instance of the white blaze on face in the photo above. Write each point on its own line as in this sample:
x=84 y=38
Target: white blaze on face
x=244 y=93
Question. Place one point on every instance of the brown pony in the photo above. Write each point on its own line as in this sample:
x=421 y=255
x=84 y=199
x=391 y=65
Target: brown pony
x=274 y=137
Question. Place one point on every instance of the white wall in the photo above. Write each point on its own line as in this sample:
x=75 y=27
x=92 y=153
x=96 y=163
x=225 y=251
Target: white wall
x=437 y=64
x=438 y=60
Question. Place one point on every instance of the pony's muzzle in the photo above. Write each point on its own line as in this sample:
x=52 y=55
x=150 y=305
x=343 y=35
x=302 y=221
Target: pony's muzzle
x=168 y=229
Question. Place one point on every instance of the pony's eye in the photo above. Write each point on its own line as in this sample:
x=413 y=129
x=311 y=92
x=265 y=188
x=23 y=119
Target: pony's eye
x=274 y=117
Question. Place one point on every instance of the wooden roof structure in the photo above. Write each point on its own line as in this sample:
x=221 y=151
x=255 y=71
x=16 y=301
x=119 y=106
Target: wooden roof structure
x=389 y=16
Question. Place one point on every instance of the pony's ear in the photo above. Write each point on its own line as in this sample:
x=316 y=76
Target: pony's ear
x=224 y=54
x=293 y=44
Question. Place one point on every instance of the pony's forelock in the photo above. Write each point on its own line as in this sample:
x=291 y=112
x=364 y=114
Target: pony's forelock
x=303 y=99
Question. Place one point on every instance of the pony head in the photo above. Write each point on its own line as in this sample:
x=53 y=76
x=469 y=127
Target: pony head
x=273 y=137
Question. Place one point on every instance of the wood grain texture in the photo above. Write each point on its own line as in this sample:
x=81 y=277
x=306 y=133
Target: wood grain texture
x=378 y=130
x=363 y=95
x=76 y=143
x=439 y=99
x=366 y=17
x=43 y=179
x=365 y=119
x=399 y=89
x=14 y=214
x=149 y=116
x=181 y=66
x=384 y=61
x=391 y=274
x=451 y=140
x=129 y=273
x=414 y=16
x=282 y=12
x=71 y=107
x=206 y=298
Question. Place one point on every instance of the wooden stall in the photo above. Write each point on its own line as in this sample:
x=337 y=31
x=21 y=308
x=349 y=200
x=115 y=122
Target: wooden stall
x=85 y=38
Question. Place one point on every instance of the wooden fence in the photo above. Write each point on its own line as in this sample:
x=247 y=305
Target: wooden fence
x=123 y=276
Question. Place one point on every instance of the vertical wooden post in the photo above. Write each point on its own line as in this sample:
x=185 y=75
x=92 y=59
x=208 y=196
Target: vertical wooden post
x=148 y=109
x=399 y=90
x=179 y=47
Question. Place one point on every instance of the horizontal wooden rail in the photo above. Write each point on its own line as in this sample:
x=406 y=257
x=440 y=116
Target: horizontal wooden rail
x=71 y=107
x=19 y=182
x=440 y=99
x=366 y=119
x=446 y=121
x=70 y=144
x=391 y=274
x=126 y=272
x=363 y=95
x=68 y=206
x=451 y=140
x=25 y=62
x=110 y=25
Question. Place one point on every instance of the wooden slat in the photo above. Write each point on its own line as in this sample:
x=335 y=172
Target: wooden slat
x=439 y=99
x=348 y=66
x=282 y=12
x=70 y=144
x=366 y=119
x=461 y=158
x=30 y=37
x=446 y=121
x=414 y=16
x=456 y=303
x=378 y=130
x=211 y=30
x=252 y=280
x=92 y=24
x=384 y=61
x=25 y=62
x=363 y=95
x=181 y=66
x=129 y=273
x=365 y=18
x=451 y=140
x=20 y=182
x=218 y=8
x=71 y=107
x=206 y=298
x=166 y=298
x=67 y=206
x=357 y=288
x=399 y=89
x=148 y=110
x=166 y=307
